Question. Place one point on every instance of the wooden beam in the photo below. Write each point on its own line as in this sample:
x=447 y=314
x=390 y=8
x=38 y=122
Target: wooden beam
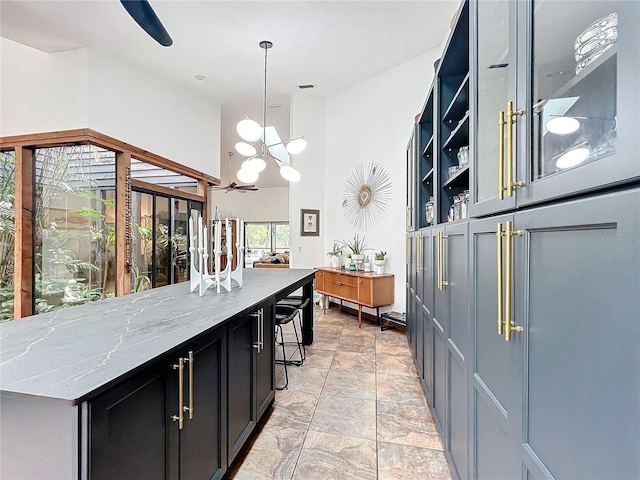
x=23 y=290
x=86 y=136
x=123 y=223
x=47 y=139
x=166 y=190
x=105 y=141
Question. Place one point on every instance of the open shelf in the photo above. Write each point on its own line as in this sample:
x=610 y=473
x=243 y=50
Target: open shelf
x=428 y=176
x=458 y=178
x=460 y=135
x=428 y=149
x=460 y=102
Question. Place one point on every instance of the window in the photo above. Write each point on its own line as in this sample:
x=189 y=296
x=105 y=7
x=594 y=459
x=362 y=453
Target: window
x=261 y=239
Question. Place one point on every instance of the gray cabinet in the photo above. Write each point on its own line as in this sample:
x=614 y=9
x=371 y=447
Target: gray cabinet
x=571 y=125
x=560 y=398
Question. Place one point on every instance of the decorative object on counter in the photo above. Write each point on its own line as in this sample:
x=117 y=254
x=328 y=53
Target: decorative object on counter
x=309 y=223
x=595 y=40
x=200 y=277
x=380 y=261
x=367 y=195
x=267 y=140
x=334 y=255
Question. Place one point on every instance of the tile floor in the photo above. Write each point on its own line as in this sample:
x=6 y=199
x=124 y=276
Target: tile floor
x=354 y=410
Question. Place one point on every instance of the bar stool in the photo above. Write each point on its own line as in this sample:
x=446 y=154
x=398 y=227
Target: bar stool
x=285 y=314
x=300 y=303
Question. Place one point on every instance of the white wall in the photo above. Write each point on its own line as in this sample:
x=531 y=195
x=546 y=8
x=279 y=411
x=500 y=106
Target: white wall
x=372 y=122
x=308 y=119
x=42 y=92
x=135 y=106
x=265 y=205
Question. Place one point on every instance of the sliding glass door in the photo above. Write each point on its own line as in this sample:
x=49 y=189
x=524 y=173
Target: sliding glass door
x=159 y=231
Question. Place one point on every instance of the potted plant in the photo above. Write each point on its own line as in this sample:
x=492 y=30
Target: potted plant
x=380 y=261
x=356 y=245
x=334 y=255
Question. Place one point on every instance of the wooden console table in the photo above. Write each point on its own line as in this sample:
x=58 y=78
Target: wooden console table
x=363 y=288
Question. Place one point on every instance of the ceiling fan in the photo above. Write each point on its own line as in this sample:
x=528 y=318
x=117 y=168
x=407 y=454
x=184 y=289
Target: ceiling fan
x=143 y=14
x=233 y=186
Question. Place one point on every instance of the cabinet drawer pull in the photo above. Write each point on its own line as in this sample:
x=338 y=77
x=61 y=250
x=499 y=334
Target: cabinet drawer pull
x=509 y=325
x=180 y=417
x=190 y=407
x=511 y=114
x=339 y=284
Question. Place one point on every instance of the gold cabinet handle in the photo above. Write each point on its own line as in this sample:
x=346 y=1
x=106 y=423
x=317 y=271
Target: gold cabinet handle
x=438 y=259
x=509 y=325
x=190 y=407
x=180 y=417
x=417 y=254
x=441 y=281
x=261 y=329
x=511 y=114
x=499 y=235
x=501 y=124
x=257 y=345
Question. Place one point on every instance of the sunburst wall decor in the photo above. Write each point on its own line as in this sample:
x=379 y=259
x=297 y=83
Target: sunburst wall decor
x=367 y=195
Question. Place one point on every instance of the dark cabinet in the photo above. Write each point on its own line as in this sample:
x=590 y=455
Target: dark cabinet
x=250 y=380
x=164 y=422
x=557 y=114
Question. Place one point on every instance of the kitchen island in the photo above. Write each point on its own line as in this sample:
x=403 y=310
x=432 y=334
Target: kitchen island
x=157 y=384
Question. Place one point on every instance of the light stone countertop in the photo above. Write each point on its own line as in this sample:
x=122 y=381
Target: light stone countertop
x=70 y=353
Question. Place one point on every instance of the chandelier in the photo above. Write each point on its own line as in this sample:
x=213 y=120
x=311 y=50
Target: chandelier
x=262 y=142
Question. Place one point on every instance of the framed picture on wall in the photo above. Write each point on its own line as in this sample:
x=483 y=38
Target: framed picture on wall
x=309 y=223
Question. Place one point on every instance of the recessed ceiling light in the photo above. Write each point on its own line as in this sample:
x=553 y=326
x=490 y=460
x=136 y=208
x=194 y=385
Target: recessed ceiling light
x=200 y=77
x=308 y=85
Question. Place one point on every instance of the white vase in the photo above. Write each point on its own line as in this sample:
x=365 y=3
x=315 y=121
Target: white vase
x=335 y=261
x=379 y=266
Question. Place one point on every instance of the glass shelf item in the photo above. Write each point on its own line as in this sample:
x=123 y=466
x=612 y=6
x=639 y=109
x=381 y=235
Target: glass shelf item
x=598 y=37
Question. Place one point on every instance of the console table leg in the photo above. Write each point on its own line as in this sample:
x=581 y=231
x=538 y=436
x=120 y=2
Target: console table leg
x=359 y=316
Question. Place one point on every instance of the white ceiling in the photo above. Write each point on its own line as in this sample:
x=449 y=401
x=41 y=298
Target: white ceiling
x=331 y=44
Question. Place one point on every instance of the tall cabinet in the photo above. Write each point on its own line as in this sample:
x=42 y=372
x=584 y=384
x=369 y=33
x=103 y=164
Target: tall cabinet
x=530 y=338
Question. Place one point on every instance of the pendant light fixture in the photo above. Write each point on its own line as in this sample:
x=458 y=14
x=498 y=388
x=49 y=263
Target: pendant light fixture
x=259 y=142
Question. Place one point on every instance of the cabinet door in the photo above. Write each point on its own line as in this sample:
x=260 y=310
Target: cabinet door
x=579 y=130
x=493 y=77
x=365 y=291
x=577 y=283
x=202 y=444
x=440 y=326
x=265 y=359
x=496 y=365
x=131 y=433
x=411 y=165
x=241 y=382
x=455 y=257
x=319 y=281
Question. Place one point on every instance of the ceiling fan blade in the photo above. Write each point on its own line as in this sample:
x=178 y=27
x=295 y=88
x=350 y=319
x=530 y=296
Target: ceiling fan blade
x=143 y=14
x=232 y=185
x=247 y=188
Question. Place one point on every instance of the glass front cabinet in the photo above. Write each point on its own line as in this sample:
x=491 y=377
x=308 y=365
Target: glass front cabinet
x=557 y=107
